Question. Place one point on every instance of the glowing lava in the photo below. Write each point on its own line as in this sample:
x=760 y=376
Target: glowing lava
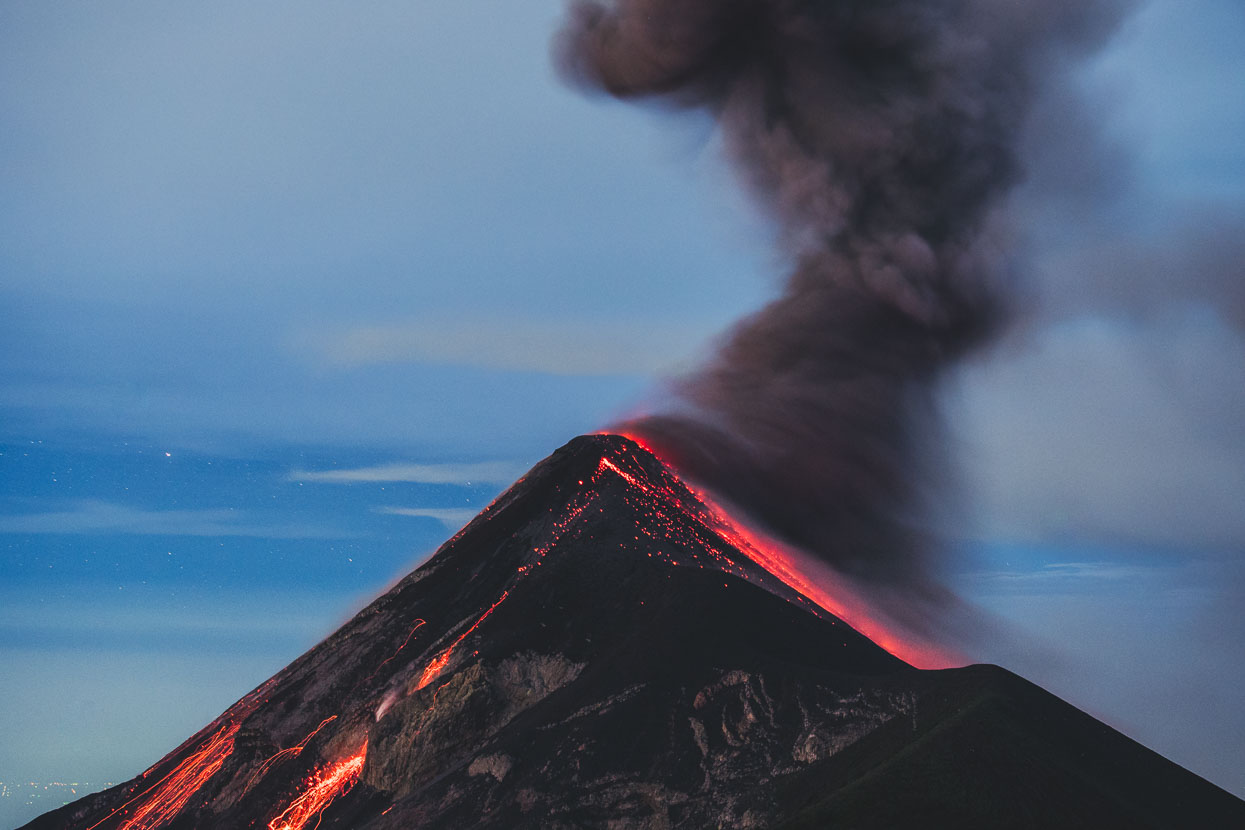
x=675 y=523
x=683 y=526
x=787 y=566
x=162 y=801
x=286 y=754
x=439 y=662
x=321 y=789
x=410 y=636
x=435 y=666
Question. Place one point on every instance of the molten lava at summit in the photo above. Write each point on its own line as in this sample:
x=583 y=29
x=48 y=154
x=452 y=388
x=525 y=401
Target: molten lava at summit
x=794 y=570
x=690 y=528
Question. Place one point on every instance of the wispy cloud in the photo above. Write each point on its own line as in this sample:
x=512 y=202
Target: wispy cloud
x=1128 y=578
x=146 y=611
x=488 y=472
x=449 y=516
x=564 y=347
x=1071 y=571
x=93 y=516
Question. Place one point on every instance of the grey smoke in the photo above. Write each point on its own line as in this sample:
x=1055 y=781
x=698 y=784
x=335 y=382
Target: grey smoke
x=883 y=135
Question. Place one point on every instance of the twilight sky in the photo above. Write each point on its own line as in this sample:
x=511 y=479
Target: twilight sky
x=290 y=290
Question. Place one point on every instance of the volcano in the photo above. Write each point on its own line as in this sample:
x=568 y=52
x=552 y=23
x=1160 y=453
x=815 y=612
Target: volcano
x=598 y=648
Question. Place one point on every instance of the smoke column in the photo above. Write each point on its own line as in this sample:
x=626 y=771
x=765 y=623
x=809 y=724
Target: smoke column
x=882 y=135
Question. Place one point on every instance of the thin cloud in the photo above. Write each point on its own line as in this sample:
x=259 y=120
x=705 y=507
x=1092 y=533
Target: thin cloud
x=449 y=516
x=201 y=613
x=1066 y=576
x=488 y=472
x=101 y=517
x=567 y=347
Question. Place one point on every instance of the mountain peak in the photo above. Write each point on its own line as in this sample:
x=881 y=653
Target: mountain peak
x=600 y=647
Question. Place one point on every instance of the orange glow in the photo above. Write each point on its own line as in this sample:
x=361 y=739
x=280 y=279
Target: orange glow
x=439 y=662
x=321 y=789
x=159 y=803
x=630 y=479
x=683 y=526
x=793 y=569
x=844 y=604
x=418 y=623
x=286 y=754
x=410 y=636
x=435 y=666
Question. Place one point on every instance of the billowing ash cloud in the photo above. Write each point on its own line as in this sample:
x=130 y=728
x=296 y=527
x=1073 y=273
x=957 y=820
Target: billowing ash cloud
x=883 y=136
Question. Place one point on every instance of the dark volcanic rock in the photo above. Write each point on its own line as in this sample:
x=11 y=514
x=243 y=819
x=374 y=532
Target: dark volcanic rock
x=590 y=652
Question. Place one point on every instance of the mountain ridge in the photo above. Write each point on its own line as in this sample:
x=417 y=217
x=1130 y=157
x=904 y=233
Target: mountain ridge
x=593 y=650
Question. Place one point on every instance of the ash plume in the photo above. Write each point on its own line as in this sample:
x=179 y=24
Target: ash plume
x=883 y=136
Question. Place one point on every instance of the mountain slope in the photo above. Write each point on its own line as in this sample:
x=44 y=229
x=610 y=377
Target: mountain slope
x=594 y=649
x=989 y=749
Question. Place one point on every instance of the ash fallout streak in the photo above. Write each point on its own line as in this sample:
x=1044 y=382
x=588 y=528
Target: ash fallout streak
x=883 y=137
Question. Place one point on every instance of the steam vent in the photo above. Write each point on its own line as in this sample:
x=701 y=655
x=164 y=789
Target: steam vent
x=599 y=649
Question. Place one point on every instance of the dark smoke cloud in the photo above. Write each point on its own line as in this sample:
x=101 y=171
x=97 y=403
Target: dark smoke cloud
x=883 y=135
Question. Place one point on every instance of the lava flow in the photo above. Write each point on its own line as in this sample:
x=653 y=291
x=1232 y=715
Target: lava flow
x=321 y=789
x=158 y=804
x=785 y=565
x=684 y=526
x=439 y=662
x=410 y=636
x=286 y=754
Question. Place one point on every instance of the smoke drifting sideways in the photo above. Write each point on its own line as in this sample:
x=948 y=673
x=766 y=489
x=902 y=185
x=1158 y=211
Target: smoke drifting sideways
x=883 y=137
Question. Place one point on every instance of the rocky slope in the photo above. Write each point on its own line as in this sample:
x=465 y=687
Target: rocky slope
x=594 y=650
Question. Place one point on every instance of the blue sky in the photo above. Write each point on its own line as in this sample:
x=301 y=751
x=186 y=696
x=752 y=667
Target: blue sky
x=246 y=248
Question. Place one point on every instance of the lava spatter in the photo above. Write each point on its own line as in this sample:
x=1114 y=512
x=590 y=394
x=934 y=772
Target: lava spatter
x=775 y=559
x=321 y=789
x=288 y=753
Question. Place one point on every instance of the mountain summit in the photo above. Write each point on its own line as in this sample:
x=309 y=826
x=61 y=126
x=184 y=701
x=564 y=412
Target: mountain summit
x=597 y=649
